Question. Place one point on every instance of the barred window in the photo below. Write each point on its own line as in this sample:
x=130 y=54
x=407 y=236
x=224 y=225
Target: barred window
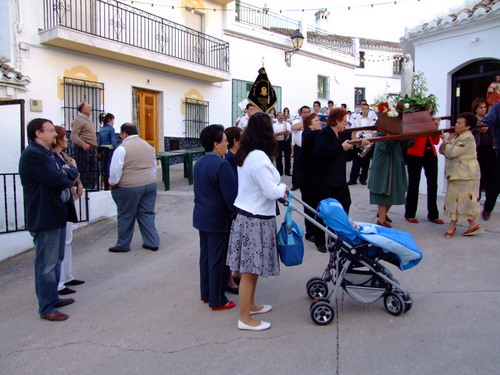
x=361 y=60
x=323 y=87
x=196 y=117
x=77 y=91
x=397 y=65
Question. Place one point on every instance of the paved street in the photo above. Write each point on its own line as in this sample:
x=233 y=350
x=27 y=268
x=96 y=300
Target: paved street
x=140 y=313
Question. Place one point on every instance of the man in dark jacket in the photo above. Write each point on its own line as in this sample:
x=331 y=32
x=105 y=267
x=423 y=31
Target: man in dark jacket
x=48 y=206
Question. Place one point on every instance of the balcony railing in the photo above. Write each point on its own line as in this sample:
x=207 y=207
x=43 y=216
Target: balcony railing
x=131 y=26
x=337 y=43
x=252 y=15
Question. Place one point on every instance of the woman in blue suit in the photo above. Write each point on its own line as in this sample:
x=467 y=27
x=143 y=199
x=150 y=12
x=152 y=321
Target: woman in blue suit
x=215 y=190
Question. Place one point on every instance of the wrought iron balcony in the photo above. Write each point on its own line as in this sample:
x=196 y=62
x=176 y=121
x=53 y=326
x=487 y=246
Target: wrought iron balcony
x=74 y=24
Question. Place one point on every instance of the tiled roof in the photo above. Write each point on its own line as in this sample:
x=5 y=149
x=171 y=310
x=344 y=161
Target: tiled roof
x=379 y=44
x=473 y=11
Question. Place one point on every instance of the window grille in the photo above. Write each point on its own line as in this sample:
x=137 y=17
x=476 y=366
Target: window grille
x=77 y=91
x=361 y=60
x=397 y=65
x=359 y=94
x=196 y=117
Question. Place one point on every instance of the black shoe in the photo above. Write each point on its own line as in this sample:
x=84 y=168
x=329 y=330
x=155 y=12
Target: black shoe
x=321 y=249
x=310 y=237
x=155 y=248
x=65 y=291
x=352 y=183
x=232 y=290
x=294 y=188
x=116 y=250
x=74 y=282
x=288 y=174
x=486 y=215
x=362 y=182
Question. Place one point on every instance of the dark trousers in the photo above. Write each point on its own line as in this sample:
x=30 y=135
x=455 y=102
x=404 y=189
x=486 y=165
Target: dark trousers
x=485 y=156
x=105 y=156
x=296 y=170
x=284 y=149
x=308 y=196
x=324 y=191
x=430 y=165
x=358 y=164
x=86 y=162
x=494 y=188
x=214 y=273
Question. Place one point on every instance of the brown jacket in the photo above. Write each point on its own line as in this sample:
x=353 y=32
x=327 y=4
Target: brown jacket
x=83 y=131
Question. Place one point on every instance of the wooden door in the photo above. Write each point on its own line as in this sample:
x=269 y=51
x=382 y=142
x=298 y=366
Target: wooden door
x=147 y=108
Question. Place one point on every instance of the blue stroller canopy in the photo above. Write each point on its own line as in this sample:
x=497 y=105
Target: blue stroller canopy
x=399 y=243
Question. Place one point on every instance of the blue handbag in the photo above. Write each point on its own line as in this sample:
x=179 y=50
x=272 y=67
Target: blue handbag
x=290 y=244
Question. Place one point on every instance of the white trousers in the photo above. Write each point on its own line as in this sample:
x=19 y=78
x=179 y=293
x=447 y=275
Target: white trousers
x=67 y=263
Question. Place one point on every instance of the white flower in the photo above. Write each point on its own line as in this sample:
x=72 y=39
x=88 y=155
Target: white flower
x=407 y=105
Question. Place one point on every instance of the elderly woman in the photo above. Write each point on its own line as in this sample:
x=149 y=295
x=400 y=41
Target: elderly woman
x=214 y=194
x=252 y=245
x=463 y=175
x=66 y=278
x=331 y=149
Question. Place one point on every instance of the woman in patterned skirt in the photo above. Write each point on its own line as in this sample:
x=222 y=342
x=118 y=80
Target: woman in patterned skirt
x=463 y=176
x=252 y=244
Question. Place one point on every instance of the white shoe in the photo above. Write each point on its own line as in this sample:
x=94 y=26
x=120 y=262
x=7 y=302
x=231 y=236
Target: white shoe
x=261 y=327
x=265 y=309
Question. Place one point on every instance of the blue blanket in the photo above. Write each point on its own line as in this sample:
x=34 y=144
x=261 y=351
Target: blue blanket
x=399 y=243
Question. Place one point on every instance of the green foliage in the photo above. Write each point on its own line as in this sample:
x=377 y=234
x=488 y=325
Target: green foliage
x=419 y=100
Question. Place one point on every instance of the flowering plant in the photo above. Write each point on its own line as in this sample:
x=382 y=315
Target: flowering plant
x=393 y=105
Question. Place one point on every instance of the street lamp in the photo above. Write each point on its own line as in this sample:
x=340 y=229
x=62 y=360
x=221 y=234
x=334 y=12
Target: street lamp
x=297 y=40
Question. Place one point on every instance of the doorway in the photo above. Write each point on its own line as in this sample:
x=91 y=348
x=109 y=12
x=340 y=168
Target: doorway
x=471 y=82
x=147 y=116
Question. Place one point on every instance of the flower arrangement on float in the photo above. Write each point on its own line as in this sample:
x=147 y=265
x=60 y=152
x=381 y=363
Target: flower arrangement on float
x=394 y=105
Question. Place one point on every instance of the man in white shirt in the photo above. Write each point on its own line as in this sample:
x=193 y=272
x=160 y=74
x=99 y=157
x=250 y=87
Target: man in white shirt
x=297 y=128
x=132 y=177
x=282 y=133
x=249 y=111
x=358 y=163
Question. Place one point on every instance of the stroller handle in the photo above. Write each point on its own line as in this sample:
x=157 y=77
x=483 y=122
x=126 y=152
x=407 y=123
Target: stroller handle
x=283 y=201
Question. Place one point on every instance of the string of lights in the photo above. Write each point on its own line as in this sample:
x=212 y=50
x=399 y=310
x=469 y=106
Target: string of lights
x=266 y=9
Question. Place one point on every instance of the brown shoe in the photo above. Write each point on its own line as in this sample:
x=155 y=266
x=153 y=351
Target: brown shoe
x=55 y=316
x=64 y=302
x=384 y=224
x=66 y=291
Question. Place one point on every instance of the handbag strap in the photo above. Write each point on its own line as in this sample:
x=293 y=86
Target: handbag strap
x=288 y=213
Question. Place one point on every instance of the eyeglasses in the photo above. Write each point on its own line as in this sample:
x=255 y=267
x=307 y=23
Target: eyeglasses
x=48 y=130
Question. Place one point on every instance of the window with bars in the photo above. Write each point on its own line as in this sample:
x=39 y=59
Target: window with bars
x=361 y=60
x=397 y=65
x=323 y=87
x=196 y=117
x=77 y=91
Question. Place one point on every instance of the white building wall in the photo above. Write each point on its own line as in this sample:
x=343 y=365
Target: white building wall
x=441 y=53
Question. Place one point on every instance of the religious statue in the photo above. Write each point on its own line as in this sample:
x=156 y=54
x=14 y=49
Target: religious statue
x=493 y=92
x=407 y=76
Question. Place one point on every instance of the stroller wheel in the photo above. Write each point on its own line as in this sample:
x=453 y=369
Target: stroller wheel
x=320 y=299
x=408 y=302
x=394 y=304
x=317 y=288
x=322 y=313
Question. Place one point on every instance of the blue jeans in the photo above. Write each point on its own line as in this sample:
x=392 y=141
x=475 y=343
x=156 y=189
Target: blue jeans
x=49 y=253
x=136 y=203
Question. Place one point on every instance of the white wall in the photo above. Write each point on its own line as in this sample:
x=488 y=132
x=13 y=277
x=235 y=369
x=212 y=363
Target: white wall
x=441 y=53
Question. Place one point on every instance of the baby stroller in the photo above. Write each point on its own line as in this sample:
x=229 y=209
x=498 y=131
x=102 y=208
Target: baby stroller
x=354 y=263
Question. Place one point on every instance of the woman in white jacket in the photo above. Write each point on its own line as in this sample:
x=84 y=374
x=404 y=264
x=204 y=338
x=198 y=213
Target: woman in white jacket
x=252 y=244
